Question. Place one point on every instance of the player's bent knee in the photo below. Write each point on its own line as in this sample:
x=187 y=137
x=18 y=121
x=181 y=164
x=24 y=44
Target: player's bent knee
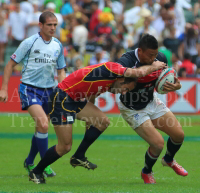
x=179 y=137
x=106 y=123
x=159 y=145
x=42 y=127
x=66 y=148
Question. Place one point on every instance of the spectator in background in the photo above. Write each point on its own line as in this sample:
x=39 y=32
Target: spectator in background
x=67 y=9
x=17 y=23
x=32 y=20
x=74 y=60
x=3 y=35
x=172 y=43
x=99 y=57
x=58 y=4
x=79 y=32
x=190 y=44
x=105 y=30
x=179 y=18
x=188 y=65
x=26 y=7
x=153 y=7
x=118 y=52
x=182 y=73
x=176 y=62
x=145 y=29
x=94 y=20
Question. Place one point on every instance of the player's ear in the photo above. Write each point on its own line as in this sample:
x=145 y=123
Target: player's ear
x=40 y=25
x=139 y=50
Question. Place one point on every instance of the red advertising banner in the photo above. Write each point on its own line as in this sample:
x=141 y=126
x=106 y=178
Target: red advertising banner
x=185 y=100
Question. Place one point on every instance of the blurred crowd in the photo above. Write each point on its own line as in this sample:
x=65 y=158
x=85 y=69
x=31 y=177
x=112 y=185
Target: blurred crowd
x=96 y=31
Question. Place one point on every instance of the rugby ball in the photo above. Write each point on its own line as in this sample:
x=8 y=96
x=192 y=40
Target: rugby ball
x=167 y=74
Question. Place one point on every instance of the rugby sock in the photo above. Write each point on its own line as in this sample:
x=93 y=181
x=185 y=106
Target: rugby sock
x=150 y=160
x=33 y=151
x=42 y=143
x=90 y=136
x=172 y=148
x=50 y=157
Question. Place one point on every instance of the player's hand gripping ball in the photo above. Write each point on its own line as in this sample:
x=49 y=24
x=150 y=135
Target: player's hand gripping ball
x=167 y=74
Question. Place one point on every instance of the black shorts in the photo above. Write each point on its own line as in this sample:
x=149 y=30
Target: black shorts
x=63 y=108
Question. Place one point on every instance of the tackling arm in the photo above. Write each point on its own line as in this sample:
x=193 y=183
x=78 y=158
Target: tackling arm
x=144 y=70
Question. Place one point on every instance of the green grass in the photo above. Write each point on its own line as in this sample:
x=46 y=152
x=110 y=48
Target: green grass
x=119 y=154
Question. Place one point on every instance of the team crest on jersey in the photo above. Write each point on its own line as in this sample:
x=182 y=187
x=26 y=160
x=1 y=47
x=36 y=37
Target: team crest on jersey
x=56 y=53
x=37 y=51
x=13 y=56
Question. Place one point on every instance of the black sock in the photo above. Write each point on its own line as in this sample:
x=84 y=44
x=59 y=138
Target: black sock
x=150 y=160
x=50 y=156
x=172 y=148
x=90 y=136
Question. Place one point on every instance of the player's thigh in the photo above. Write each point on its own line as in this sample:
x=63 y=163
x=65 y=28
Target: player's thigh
x=64 y=135
x=37 y=113
x=149 y=133
x=170 y=125
x=93 y=115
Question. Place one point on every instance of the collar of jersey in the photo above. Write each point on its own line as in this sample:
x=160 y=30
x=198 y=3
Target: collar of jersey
x=46 y=42
x=136 y=54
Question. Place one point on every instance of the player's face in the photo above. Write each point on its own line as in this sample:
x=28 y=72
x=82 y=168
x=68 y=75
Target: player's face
x=147 y=56
x=49 y=27
x=120 y=87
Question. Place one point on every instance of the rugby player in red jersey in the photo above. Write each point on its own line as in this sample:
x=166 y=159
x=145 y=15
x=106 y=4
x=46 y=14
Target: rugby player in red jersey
x=145 y=113
x=69 y=101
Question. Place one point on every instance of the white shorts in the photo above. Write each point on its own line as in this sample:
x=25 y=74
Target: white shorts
x=135 y=118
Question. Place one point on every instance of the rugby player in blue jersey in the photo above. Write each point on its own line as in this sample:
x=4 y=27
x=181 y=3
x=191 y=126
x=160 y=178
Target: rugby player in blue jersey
x=40 y=55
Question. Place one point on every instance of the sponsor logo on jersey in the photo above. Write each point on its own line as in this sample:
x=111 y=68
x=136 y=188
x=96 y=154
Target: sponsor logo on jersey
x=136 y=116
x=70 y=118
x=44 y=60
x=56 y=53
x=13 y=56
x=37 y=51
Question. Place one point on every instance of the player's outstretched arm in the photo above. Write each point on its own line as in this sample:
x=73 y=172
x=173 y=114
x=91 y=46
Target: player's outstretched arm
x=6 y=77
x=144 y=70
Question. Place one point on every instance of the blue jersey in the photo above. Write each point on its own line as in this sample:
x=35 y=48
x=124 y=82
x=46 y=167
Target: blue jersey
x=39 y=59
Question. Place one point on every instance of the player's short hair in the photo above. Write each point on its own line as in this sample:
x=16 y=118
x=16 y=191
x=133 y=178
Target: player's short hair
x=45 y=15
x=148 y=42
x=128 y=80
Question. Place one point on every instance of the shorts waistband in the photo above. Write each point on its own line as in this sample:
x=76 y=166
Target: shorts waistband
x=35 y=86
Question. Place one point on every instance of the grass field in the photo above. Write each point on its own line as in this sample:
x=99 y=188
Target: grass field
x=119 y=154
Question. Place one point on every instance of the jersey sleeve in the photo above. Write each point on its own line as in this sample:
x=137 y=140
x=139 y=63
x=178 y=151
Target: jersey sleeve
x=23 y=49
x=127 y=59
x=116 y=69
x=61 y=59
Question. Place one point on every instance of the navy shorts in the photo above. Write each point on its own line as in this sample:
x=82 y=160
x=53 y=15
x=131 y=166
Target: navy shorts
x=63 y=108
x=30 y=95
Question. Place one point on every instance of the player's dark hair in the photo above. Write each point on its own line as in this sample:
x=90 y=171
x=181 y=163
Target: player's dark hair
x=45 y=15
x=148 y=42
x=128 y=80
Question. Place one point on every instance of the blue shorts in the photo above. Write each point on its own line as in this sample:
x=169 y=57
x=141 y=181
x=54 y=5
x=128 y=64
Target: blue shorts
x=30 y=95
x=63 y=108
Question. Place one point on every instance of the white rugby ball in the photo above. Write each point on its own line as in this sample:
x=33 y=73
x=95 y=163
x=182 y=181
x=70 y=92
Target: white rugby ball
x=167 y=74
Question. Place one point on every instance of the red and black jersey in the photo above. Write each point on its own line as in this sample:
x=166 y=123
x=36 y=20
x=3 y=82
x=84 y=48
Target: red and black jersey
x=142 y=94
x=91 y=80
